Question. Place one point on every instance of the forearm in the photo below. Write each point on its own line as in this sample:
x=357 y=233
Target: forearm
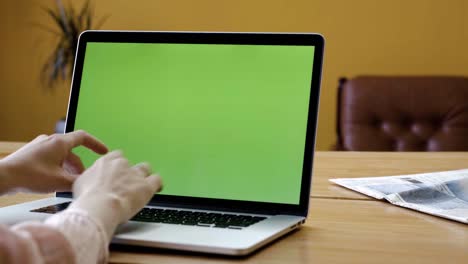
x=34 y=242
x=86 y=236
x=102 y=209
x=71 y=237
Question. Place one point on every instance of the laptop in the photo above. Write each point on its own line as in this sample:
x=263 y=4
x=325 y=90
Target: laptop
x=227 y=119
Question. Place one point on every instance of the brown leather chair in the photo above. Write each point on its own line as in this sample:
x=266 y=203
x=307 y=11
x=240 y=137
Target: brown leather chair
x=382 y=113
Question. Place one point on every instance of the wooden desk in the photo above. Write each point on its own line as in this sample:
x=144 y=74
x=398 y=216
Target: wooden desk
x=342 y=164
x=344 y=227
x=338 y=231
x=8 y=147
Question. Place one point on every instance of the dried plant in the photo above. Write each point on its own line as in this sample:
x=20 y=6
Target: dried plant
x=70 y=23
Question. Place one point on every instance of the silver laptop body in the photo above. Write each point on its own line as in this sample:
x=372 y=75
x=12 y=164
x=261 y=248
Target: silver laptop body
x=278 y=207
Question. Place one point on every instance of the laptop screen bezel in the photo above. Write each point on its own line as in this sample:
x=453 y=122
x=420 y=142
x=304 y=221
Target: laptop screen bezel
x=286 y=39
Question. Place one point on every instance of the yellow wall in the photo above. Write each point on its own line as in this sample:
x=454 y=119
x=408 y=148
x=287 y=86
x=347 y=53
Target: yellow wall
x=362 y=37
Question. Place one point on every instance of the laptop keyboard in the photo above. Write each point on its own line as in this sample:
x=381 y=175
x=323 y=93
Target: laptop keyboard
x=178 y=217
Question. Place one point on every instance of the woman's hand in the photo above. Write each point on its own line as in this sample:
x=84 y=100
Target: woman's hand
x=47 y=164
x=112 y=190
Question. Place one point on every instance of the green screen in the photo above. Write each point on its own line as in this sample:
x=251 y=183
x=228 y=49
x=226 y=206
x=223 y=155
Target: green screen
x=216 y=121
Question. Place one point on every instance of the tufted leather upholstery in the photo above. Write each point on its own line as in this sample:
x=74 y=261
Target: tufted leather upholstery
x=377 y=113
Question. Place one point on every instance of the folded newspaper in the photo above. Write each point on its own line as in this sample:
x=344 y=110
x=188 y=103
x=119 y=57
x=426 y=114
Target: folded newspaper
x=443 y=194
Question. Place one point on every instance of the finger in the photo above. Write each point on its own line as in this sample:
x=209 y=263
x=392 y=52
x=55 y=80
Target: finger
x=73 y=164
x=113 y=155
x=143 y=167
x=155 y=182
x=82 y=138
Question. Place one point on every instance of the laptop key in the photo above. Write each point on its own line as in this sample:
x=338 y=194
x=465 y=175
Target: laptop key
x=189 y=223
x=220 y=226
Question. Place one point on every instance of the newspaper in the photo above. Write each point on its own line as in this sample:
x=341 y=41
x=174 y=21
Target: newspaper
x=443 y=194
